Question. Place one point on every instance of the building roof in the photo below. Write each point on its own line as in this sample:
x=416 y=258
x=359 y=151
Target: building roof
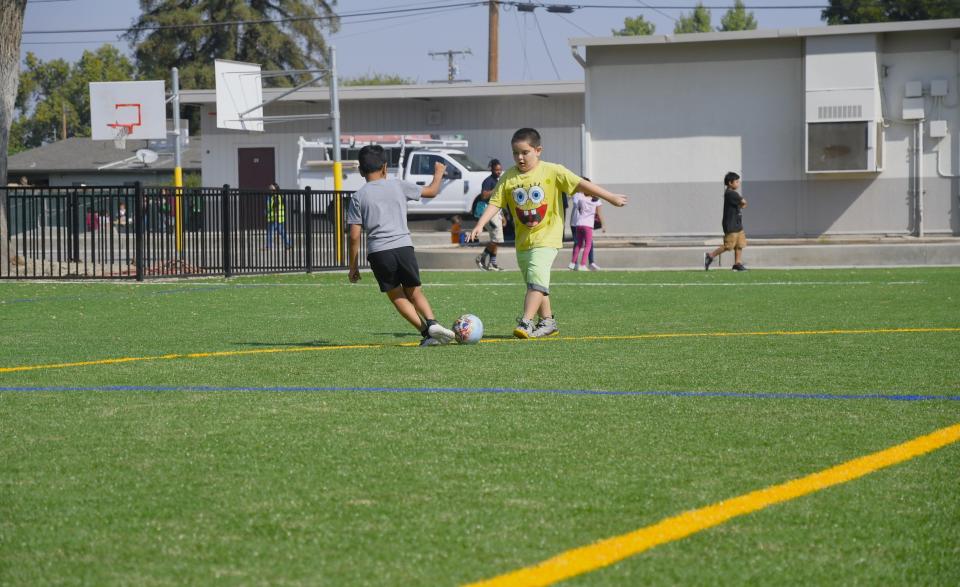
x=85 y=155
x=418 y=92
x=759 y=34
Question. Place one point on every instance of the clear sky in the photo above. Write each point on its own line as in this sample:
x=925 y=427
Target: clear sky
x=533 y=46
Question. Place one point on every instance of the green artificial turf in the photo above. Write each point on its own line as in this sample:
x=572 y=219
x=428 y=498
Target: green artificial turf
x=141 y=478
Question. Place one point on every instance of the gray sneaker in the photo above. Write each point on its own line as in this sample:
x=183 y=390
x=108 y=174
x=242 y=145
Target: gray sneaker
x=439 y=333
x=707 y=261
x=524 y=329
x=545 y=327
x=493 y=266
x=429 y=341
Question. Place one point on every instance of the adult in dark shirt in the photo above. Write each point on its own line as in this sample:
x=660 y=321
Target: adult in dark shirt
x=487 y=260
x=734 y=238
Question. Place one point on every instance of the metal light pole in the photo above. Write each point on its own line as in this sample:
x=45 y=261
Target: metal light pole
x=177 y=168
x=337 y=163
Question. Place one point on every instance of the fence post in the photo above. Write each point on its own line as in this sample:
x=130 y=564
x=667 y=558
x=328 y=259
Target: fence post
x=74 y=205
x=139 y=220
x=308 y=228
x=225 y=229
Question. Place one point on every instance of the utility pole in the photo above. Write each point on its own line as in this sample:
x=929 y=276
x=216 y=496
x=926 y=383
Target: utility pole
x=63 y=120
x=493 y=43
x=451 y=67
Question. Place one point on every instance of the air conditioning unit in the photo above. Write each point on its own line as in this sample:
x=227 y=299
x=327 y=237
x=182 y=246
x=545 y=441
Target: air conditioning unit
x=844 y=122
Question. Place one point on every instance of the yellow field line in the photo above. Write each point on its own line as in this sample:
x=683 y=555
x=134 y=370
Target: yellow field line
x=301 y=349
x=612 y=550
x=304 y=349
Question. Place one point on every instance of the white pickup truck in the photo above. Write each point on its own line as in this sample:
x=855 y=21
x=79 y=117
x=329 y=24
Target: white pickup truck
x=410 y=157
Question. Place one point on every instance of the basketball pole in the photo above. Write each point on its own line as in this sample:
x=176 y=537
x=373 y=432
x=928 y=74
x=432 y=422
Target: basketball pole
x=177 y=169
x=337 y=163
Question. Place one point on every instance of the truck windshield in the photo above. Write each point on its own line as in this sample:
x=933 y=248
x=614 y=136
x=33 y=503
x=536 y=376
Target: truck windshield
x=468 y=163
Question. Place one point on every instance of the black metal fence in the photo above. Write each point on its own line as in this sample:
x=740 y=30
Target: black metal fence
x=134 y=232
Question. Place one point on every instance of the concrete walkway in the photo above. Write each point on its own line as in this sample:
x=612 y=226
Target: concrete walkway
x=435 y=251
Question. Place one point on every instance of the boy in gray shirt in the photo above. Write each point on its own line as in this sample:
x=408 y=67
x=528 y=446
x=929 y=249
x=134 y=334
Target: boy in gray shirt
x=380 y=208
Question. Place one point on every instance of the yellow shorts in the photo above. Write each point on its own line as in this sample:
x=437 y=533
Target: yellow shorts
x=734 y=240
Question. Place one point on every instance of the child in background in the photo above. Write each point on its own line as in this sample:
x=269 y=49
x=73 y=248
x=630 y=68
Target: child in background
x=734 y=238
x=586 y=210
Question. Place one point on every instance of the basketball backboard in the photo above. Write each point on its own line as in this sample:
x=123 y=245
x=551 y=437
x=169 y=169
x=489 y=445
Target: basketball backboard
x=239 y=95
x=137 y=110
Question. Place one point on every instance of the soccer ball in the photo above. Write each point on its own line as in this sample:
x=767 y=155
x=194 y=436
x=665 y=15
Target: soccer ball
x=468 y=329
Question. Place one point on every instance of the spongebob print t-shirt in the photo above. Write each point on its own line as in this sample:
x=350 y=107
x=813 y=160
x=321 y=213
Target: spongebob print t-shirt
x=533 y=201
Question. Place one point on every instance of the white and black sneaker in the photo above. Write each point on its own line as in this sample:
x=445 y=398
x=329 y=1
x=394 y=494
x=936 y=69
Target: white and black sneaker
x=438 y=332
x=524 y=329
x=707 y=261
x=429 y=341
x=481 y=262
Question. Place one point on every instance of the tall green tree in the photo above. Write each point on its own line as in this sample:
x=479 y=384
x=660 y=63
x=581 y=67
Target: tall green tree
x=635 y=27
x=51 y=91
x=738 y=19
x=192 y=48
x=861 y=11
x=697 y=21
x=11 y=31
x=377 y=79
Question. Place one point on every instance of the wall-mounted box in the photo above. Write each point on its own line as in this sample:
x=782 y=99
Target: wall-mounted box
x=938 y=87
x=938 y=129
x=913 y=90
x=913 y=108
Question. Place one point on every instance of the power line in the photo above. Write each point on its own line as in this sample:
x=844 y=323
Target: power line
x=380 y=13
x=545 y=46
x=259 y=21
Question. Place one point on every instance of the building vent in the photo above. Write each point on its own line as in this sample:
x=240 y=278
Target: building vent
x=843 y=130
x=850 y=111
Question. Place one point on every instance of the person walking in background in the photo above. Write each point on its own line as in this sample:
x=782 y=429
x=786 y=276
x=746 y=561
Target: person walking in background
x=733 y=235
x=487 y=260
x=583 y=219
x=276 y=217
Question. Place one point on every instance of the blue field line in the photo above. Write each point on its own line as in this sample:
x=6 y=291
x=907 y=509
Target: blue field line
x=903 y=397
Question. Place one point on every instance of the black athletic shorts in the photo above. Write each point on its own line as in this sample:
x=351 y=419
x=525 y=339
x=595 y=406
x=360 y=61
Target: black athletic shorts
x=395 y=267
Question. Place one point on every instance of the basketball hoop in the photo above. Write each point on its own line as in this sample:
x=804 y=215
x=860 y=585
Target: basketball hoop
x=120 y=138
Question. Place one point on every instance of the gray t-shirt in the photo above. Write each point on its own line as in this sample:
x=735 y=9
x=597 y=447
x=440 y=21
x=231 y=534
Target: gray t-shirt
x=381 y=207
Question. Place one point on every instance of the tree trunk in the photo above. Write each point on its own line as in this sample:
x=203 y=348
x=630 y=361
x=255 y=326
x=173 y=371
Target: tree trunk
x=11 y=29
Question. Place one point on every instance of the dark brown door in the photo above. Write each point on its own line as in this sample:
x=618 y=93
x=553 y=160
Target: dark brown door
x=256 y=170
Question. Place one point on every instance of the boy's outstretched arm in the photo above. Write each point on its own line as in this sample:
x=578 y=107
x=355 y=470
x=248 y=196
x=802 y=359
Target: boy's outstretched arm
x=354 y=273
x=591 y=189
x=434 y=188
x=489 y=213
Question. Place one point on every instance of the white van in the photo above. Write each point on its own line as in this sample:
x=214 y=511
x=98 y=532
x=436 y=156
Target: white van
x=409 y=157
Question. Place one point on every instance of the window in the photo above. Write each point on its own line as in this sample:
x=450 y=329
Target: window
x=423 y=164
x=468 y=163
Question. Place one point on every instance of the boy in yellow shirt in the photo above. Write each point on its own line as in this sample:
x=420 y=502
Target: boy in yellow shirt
x=530 y=191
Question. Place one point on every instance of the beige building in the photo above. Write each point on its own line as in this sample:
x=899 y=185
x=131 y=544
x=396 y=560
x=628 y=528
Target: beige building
x=836 y=130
